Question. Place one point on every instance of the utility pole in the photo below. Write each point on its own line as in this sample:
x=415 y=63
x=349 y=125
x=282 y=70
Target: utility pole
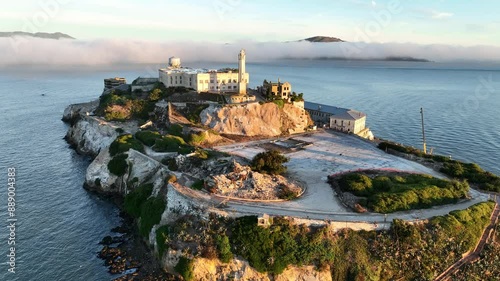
x=423 y=130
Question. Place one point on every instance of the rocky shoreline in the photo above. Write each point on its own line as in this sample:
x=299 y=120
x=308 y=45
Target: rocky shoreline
x=128 y=257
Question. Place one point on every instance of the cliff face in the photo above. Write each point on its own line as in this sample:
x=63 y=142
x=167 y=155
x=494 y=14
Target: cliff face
x=90 y=135
x=237 y=269
x=87 y=134
x=255 y=119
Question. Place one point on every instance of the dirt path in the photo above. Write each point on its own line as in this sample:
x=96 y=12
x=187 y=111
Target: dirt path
x=474 y=255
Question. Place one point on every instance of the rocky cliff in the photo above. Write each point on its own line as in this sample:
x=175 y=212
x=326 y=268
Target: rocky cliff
x=255 y=119
x=91 y=135
x=236 y=269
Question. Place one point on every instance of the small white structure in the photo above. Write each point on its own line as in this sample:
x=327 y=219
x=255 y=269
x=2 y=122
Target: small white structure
x=204 y=80
x=340 y=119
x=264 y=221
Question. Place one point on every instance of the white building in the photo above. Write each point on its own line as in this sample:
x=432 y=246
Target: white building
x=204 y=80
x=340 y=119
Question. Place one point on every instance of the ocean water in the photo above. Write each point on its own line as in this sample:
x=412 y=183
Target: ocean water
x=60 y=224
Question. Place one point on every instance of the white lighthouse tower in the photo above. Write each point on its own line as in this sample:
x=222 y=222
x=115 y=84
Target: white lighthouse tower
x=242 y=83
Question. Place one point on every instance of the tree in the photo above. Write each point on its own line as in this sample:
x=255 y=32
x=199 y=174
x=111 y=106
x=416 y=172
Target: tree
x=155 y=95
x=269 y=162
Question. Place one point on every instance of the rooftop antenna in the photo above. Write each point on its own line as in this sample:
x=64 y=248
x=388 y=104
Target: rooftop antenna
x=423 y=130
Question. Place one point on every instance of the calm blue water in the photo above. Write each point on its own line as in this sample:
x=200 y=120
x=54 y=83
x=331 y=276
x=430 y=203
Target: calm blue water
x=60 y=223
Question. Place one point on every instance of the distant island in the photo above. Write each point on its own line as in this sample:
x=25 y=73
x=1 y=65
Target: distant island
x=390 y=58
x=45 y=35
x=322 y=39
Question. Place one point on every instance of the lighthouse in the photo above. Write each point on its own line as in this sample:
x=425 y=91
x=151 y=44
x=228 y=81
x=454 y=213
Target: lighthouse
x=242 y=83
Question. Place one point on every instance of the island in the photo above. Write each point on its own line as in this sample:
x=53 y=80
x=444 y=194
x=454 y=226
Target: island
x=224 y=182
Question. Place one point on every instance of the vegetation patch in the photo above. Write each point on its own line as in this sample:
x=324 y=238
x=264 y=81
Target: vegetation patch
x=406 y=252
x=471 y=172
x=386 y=194
x=185 y=268
x=170 y=143
x=133 y=201
x=269 y=162
x=123 y=143
x=147 y=137
x=118 y=164
x=151 y=212
x=162 y=239
x=223 y=248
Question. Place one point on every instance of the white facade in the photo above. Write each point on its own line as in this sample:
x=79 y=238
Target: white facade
x=203 y=80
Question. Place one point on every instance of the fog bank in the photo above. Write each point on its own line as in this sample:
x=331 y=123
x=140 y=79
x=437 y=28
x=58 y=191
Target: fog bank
x=35 y=51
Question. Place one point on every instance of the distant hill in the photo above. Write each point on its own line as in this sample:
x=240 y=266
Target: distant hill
x=408 y=59
x=322 y=39
x=56 y=35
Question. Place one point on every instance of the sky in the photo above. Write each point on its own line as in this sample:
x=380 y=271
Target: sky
x=113 y=32
x=457 y=22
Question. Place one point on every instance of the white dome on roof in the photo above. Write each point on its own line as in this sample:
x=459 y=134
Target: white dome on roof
x=174 y=62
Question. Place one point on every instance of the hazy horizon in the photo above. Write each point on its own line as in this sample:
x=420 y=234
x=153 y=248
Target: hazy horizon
x=36 y=51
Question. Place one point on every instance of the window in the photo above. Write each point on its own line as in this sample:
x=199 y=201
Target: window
x=234 y=87
x=206 y=81
x=217 y=87
x=234 y=81
x=211 y=88
x=223 y=81
x=211 y=80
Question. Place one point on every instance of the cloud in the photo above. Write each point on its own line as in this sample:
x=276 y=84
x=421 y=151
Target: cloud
x=441 y=15
x=35 y=51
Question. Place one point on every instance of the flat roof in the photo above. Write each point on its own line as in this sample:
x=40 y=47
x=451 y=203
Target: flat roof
x=339 y=112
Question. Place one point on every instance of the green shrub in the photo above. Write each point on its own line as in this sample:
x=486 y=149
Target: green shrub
x=223 y=248
x=123 y=143
x=162 y=239
x=175 y=130
x=279 y=102
x=168 y=143
x=382 y=183
x=147 y=137
x=140 y=109
x=112 y=115
x=155 y=95
x=454 y=169
x=185 y=268
x=151 y=211
x=389 y=194
x=357 y=183
x=197 y=138
x=133 y=201
x=118 y=164
x=269 y=162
